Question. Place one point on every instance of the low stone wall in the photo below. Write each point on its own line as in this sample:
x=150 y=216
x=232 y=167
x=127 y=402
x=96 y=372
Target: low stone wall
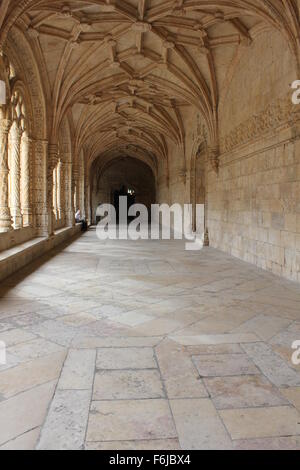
x=16 y=237
x=19 y=256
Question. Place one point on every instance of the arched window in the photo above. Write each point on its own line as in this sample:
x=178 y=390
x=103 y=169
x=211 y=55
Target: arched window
x=19 y=164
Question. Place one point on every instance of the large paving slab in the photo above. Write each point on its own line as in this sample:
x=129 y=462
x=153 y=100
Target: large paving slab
x=223 y=365
x=24 y=411
x=198 y=425
x=66 y=422
x=275 y=368
x=130 y=420
x=31 y=374
x=125 y=358
x=262 y=422
x=178 y=372
x=127 y=384
x=244 y=391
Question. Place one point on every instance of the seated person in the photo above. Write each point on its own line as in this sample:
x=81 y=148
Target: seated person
x=79 y=219
x=78 y=216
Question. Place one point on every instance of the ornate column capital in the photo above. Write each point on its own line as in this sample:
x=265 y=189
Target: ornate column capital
x=75 y=170
x=53 y=155
x=27 y=138
x=213 y=157
x=5 y=125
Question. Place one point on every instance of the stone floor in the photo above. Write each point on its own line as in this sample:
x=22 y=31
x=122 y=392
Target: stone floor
x=142 y=345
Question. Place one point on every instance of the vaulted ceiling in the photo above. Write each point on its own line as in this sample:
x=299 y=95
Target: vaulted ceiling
x=126 y=70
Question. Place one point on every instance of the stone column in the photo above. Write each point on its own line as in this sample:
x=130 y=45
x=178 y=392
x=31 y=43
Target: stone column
x=26 y=206
x=40 y=186
x=87 y=198
x=5 y=217
x=15 y=173
x=61 y=191
x=76 y=186
x=51 y=164
x=70 y=214
x=55 y=186
x=215 y=155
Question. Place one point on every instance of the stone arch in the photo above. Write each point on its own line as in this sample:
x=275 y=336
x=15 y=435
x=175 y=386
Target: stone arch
x=26 y=80
x=27 y=71
x=4 y=76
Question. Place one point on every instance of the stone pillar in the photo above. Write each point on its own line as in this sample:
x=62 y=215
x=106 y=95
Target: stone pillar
x=15 y=173
x=212 y=158
x=61 y=191
x=76 y=186
x=86 y=198
x=51 y=164
x=55 y=193
x=40 y=186
x=5 y=217
x=26 y=202
x=70 y=214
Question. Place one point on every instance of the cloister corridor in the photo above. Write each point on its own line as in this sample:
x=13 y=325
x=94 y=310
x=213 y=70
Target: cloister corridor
x=143 y=345
x=191 y=110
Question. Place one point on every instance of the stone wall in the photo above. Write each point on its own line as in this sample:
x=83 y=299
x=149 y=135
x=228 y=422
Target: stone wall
x=254 y=205
x=254 y=202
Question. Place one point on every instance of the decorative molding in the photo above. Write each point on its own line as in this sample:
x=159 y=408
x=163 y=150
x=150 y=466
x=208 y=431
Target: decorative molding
x=277 y=114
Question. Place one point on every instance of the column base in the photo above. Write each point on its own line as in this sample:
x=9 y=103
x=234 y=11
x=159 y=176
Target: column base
x=206 y=238
x=17 y=222
x=5 y=221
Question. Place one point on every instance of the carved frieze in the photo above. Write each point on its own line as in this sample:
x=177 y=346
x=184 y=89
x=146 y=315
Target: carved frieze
x=278 y=113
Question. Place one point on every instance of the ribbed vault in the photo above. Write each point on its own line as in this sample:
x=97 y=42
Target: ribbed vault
x=124 y=71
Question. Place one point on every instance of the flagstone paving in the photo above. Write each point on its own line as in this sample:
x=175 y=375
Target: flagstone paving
x=143 y=345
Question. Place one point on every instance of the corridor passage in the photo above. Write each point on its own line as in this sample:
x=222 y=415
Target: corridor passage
x=142 y=345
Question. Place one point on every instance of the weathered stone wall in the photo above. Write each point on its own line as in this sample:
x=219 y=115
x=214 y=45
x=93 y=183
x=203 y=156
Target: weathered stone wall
x=254 y=205
x=254 y=202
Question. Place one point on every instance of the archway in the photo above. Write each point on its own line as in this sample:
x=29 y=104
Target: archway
x=123 y=176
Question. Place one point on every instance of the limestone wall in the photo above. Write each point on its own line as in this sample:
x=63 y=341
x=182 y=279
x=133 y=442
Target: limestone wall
x=254 y=205
x=254 y=202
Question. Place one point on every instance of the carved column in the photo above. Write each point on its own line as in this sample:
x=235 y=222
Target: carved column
x=61 y=191
x=55 y=193
x=15 y=173
x=87 y=197
x=70 y=214
x=215 y=157
x=51 y=164
x=40 y=186
x=26 y=206
x=5 y=217
x=75 y=183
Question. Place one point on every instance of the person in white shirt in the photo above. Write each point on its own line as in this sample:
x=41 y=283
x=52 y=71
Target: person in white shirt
x=78 y=216
x=80 y=220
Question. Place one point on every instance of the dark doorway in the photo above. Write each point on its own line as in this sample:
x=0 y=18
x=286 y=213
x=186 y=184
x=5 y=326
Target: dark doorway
x=130 y=194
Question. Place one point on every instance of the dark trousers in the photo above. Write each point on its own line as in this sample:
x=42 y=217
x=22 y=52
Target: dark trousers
x=84 y=225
